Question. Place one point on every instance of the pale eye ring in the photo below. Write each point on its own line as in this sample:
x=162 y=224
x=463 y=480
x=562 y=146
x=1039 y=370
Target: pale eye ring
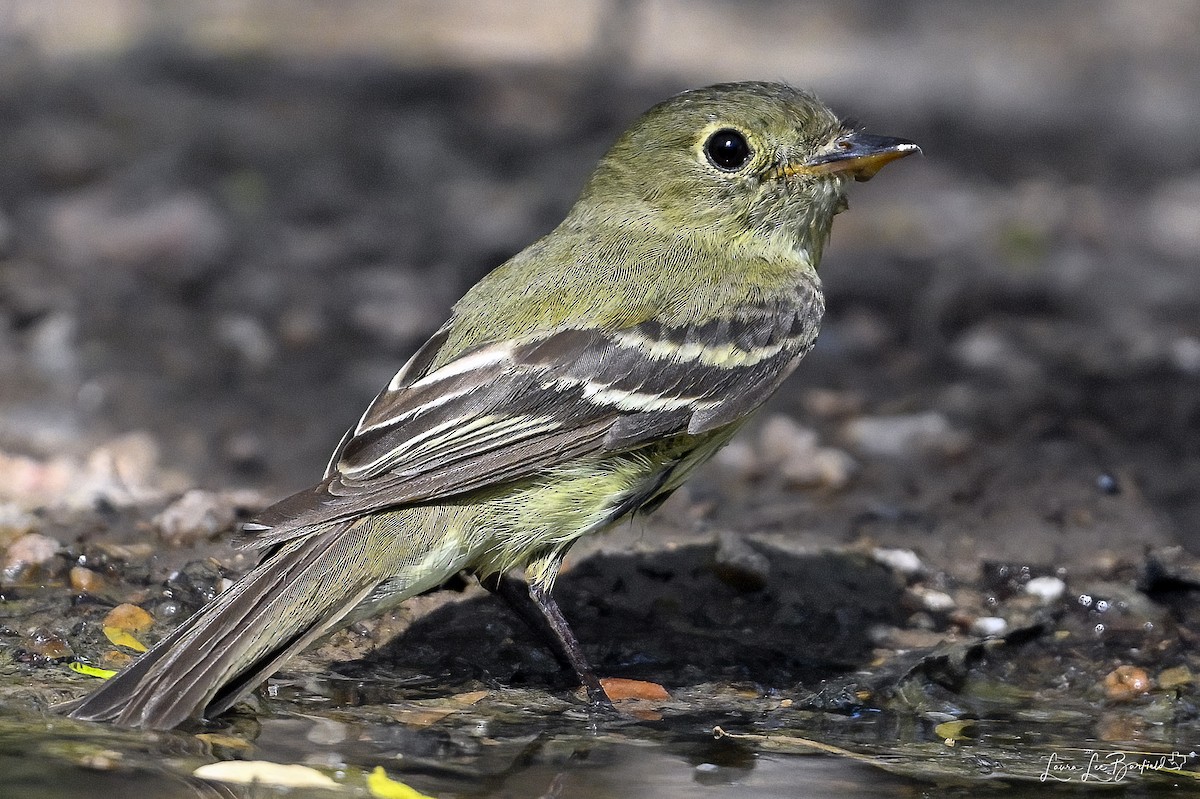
x=728 y=150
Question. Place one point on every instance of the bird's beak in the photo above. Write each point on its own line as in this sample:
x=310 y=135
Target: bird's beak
x=860 y=155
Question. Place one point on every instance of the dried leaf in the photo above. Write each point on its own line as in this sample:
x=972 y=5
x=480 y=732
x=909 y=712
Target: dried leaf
x=245 y=772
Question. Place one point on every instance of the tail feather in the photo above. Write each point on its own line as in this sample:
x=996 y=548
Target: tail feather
x=220 y=654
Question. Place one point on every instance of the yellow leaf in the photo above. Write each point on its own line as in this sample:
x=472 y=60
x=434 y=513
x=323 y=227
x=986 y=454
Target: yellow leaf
x=124 y=638
x=382 y=786
x=90 y=671
x=956 y=730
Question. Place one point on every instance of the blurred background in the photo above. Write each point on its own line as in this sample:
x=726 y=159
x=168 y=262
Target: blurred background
x=224 y=225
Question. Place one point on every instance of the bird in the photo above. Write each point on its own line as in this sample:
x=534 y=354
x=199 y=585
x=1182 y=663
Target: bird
x=578 y=383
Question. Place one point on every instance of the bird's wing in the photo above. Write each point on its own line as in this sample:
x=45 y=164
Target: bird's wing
x=504 y=411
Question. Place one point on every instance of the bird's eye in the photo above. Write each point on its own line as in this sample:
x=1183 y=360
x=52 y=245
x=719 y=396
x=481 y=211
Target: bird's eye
x=727 y=150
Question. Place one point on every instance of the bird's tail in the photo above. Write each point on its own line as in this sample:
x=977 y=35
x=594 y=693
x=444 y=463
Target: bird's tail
x=219 y=655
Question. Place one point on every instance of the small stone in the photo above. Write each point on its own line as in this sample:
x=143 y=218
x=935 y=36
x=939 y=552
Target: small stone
x=1175 y=677
x=826 y=467
x=196 y=516
x=796 y=454
x=904 y=434
x=740 y=457
x=1126 y=682
x=901 y=639
x=1046 y=589
x=901 y=561
x=28 y=554
x=830 y=404
x=48 y=646
x=86 y=581
x=932 y=600
x=740 y=565
x=103 y=760
x=989 y=626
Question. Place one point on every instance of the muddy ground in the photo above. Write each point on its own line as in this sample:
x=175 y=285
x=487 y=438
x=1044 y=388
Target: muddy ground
x=966 y=506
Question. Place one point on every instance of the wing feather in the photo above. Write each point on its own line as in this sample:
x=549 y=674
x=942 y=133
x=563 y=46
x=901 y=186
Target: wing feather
x=505 y=411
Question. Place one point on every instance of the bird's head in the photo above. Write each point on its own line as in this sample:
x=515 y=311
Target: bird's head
x=761 y=163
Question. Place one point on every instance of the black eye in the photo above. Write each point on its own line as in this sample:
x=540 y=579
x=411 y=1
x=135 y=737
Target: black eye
x=727 y=149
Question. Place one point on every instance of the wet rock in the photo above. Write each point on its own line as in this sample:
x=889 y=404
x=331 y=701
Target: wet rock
x=1126 y=682
x=989 y=626
x=47 y=647
x=86 y=581
x=196 y=583
x=932 y=600
x=1168 y=567
x=1047 y=589
x=1175 y=677
x=29 y=555
x=906 y=639
x=739 y=565
x=902 y=561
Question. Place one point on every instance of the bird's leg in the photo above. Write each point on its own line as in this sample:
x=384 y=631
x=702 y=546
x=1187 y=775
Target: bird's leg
x=538 y=609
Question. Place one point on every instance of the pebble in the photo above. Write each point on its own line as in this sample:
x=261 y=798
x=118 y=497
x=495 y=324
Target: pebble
x=29 y=552
x=86 y=581
x=901 y=561
x=1175 y=677
x=1126 y=682
x=48 y=646
x=196 y=516
x=989 y=626
x=739 y=565
x=904 y=434
x=933 y=600
x=1047 y=589
x=796 y=454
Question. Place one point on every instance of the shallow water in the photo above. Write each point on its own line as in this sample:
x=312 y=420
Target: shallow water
x=717 y=742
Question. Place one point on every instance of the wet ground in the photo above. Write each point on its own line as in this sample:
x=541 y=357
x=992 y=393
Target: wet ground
x=952 y=557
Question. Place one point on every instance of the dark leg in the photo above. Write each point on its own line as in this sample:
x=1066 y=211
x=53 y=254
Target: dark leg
x=538 y=609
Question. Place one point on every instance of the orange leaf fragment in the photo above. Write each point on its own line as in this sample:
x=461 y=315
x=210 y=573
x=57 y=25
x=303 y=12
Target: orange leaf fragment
x=130 y=618
x=619 y=688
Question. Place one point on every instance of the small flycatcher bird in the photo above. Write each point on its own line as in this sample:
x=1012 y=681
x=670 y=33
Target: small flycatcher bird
x=578 y=383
